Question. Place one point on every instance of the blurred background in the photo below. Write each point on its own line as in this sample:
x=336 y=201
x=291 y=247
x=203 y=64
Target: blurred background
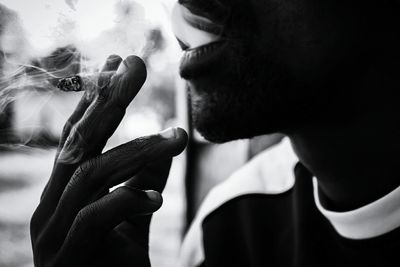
x=43 y=40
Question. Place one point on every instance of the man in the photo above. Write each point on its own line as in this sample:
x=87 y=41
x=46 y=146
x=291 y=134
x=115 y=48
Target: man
x=322 y=72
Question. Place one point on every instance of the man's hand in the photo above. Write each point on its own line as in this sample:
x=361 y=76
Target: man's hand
x=78 y=222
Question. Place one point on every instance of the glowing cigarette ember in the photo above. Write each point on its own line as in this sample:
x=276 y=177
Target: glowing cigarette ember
x=70 y=84
x=85 y=82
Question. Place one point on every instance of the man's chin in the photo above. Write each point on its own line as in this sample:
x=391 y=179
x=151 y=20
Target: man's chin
x=247 y=101
x=222 y=118
x=213 y=131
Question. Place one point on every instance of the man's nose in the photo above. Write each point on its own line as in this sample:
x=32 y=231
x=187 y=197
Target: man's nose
x=183 y=26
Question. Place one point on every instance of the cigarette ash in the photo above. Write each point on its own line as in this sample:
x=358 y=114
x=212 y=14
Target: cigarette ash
x=91 y=83
x=70 y=84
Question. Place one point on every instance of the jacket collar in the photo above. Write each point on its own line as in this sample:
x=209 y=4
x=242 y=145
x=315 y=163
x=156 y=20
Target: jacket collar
x=372 y=220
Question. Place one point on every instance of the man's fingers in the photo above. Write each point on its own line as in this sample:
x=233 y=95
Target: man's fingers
x=112 y=168
x=66 y=164
x=75 y=116
x=89 y=136
x=153 y=176
x=119 y=164
x=57 y=185
x=112 y=64
x=127 y=160
x=96 y=220
x=89 y=132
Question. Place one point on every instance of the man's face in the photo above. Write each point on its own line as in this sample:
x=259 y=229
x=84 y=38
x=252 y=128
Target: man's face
x=276 y=65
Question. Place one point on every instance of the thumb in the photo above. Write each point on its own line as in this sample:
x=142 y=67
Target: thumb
x=155 y=174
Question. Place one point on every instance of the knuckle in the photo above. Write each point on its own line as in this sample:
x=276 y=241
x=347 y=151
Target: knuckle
x=82 y=219
x=91 y=169
x=73 y=137
x=84 y=222
x=88 y=175
x=85 y=169
x=82 y=174
x=67 y=128
x=74 y=146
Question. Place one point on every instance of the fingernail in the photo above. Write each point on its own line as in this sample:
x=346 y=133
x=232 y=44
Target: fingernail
x=127 y=63
x=169 y=133
x=113 y=58
x=153 y=195
x=123 y=67
x=113 y=61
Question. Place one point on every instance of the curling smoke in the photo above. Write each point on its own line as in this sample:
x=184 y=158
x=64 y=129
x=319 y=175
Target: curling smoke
x=44 y=40
x=94 y=28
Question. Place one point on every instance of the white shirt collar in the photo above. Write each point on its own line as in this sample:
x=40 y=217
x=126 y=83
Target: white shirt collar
x=372 y=220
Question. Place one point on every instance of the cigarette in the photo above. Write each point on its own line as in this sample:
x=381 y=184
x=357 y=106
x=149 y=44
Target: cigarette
x=77 y=83
x=69 y=84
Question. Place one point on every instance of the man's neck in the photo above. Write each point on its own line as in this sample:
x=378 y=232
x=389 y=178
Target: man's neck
x=355 y=164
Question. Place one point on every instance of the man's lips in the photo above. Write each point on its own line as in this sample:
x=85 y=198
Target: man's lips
x=200 y=38
x=199 y=61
